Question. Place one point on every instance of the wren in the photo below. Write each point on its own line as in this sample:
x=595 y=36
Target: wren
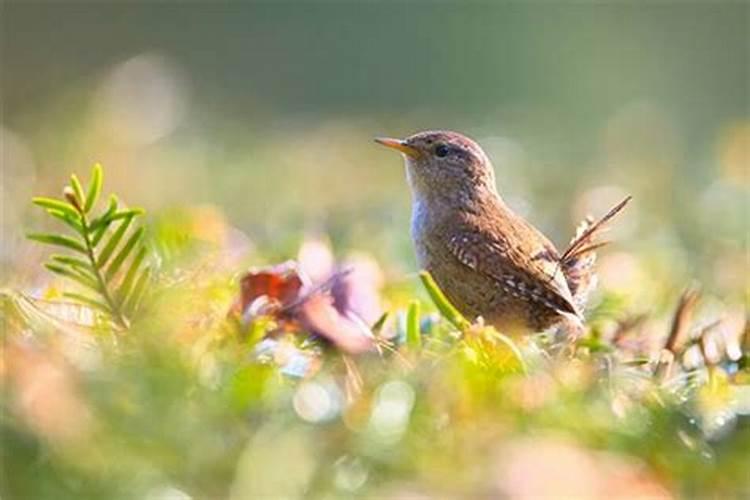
x=489 y=261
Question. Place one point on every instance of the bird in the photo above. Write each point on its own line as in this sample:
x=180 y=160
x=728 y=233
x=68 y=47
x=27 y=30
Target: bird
x=489 y=261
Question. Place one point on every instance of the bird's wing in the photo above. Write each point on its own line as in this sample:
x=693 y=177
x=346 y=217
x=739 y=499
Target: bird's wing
x=523 y=264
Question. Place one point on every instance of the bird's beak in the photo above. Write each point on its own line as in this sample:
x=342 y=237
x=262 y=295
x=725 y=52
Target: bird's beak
x=398 y=145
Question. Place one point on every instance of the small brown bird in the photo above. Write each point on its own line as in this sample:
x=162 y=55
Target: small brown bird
x=488 y=260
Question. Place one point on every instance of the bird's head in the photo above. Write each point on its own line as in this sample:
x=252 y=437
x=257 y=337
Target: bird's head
x=444 y=164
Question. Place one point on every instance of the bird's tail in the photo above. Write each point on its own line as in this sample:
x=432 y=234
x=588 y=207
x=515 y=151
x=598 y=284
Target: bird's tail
x=577 y=262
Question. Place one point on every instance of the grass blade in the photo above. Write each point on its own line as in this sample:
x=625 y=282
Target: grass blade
x=59 y=240
x=117 y=262
x=114 y=240
x=507 y=342
x=413 y=335
x=95 y=188
x=447 y=309
x=378 y=325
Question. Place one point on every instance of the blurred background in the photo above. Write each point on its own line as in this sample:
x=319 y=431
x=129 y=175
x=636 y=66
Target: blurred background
x=262 y=116
x=246 y=131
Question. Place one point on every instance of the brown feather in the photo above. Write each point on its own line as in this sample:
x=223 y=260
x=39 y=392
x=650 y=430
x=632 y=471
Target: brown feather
x=591 y=231
x=577 y=262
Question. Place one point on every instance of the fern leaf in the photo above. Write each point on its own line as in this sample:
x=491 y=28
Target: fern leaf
x=74 y=223
x=114 y=240
x=89 y=301
x=106 y=217
x=69 y=273
x=77 y=189
x=98 y=234
x=72 y=261
x=58 y=205
x=78 y=266
x=49 y=318
x=57 y=239
x=99 y=269
x=135 y=296
x=127 y=213
x=117 y=262
x=95 y=188
x=111 y=216
x=127 y=282
x=98 y=226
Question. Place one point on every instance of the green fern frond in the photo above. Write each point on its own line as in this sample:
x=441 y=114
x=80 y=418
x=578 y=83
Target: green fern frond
x=88 y=301
x=78 y=190
x=100 y=224
x=114 y=240
x=53 y=204
x=132 y=301
x=95 y=188
x=123 y=254
x=72 y=274
x=58 y=239
x=73 y=222
x=115 y=273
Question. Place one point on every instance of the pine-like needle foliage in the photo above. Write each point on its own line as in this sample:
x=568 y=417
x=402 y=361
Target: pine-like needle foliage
x=106 y=255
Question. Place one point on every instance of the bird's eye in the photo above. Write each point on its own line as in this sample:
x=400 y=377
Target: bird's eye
x=441 y=151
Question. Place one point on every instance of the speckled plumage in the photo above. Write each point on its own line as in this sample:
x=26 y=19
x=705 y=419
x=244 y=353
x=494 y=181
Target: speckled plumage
x=488 y=260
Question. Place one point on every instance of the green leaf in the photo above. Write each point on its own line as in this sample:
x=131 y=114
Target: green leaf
x=507 y=342
x=56 y=239
x=106 y=217
x=74 y=223
x=77 y=189
x=91 y=302
x=58 y=205
x=101 y=267
x=378 y=325
x=72 y=261
x=98 y=234
x=79 y=266
x=116 y=263
x=112 y=243
x=95 y=188
x=447 y=309
x=127 y=213
x=135 y=296
x=99 y=226
x=127 y=282
x=69 y=273
x=413 y=335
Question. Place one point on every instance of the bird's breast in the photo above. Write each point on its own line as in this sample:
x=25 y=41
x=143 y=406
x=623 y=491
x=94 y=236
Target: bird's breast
x=431 y=224
x=420 y=230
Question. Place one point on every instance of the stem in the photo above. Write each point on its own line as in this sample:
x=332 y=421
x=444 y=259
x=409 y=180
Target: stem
x=114 y=309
